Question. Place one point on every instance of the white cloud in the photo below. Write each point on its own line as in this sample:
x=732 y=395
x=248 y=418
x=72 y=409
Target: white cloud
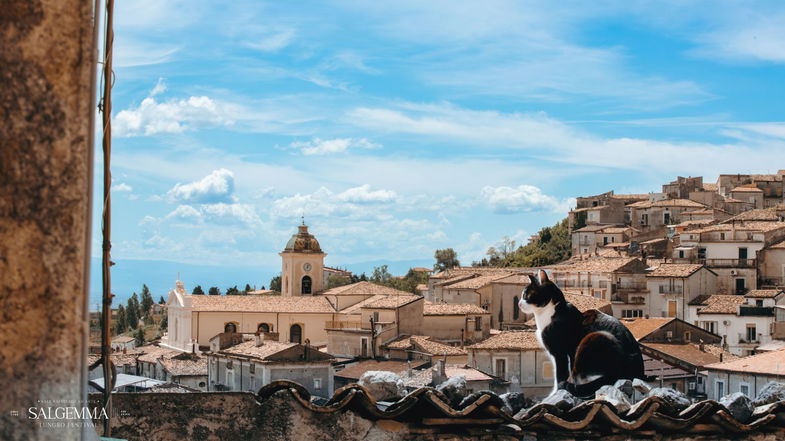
x=364 y=194
x=185 y=213
x=172 y=116
x=523 y=198
x=216 y=187
x=217 y=214
x=159 y=88
x=122 y=187
x=317 y=146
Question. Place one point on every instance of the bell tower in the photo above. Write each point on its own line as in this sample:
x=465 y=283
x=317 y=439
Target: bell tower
x=302 y=264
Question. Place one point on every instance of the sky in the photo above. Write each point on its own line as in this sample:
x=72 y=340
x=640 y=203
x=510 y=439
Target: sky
x=397 y=128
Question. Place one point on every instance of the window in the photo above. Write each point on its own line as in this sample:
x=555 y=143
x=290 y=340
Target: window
x=701 y=253
x=317 y=383
x=752 y=333
x=500 y=368
x=263 y=327
x=230 y=378
x=515 y=308
x=720 y=389
x=306 y=285
x=202 y=384
x=681 y=254
x=605 y=240
x=296 y=334
x=687 y=336
x=666 y=218
x=668 y=334
x=758 y=303
x=230 y=327
x=252 y=368
x=631 y=313
x=744 y=388
x=722 y=236
x=740 y=287
x=478 y=323
x=691 y=385
x=375 y=316
x=547 y=370
x=710 y=326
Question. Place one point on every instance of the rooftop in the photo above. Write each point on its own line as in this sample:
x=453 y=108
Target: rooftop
x=641 y=327
x=675 y=270
x=718 y=304
x=743 y=189
x=452 y=309
x=767 y=363
x=585 y=302
x=390 y=302
x=668 y=203
x=759 y=214
x=304 y=304
x=364 y=288
x=509 y=340
x=355 y=371
x=185 y=365
x=249 y=349
x=691 y=353
x=595 y=264
x=424 y=343
x=763 y=293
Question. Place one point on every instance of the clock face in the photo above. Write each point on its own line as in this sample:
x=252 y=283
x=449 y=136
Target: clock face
x=307 y=267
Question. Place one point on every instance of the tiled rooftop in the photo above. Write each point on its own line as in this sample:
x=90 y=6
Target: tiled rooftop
x=762 y=293
x=364 y=288
x=354 y=372
x=668 y=203
x=691 y=353
x=760 y=214
x=153 y=353
x=641 y=327
x=720 y=304
x=675 y=270
x=594 y=264
x=185 y=365
x=585 y=302
x=746 y=190
x=767 y=363
x=424 y=343
x=391 y=302
x=452 y=309
x=249 y=349
x=509 y=340
x=761 y=226
x=122 y=339
x=475 y=282
x=305 y=304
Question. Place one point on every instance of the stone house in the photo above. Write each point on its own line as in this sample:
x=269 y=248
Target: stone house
x=745 y=322
x=423 y=347
x=515 y=356
x=617 y=279
x=771 y=266
x=650 y=217
x=681 y=187
x=671 y=286
x=123 y=343
x=249 y=365
x=750 y=194
x=364 y=327
x=455 y=323
x=747 y=375
x=189 y=370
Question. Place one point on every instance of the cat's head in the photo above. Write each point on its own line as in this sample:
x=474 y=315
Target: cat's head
x=539 y=293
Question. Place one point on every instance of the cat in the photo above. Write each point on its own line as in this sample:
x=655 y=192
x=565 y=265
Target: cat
x=589 y=350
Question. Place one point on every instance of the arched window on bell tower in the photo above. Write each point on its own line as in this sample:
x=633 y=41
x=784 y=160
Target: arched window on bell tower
x=306 y=285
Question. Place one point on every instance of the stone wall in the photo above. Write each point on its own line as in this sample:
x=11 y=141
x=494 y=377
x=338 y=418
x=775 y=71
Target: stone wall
x=46 y=105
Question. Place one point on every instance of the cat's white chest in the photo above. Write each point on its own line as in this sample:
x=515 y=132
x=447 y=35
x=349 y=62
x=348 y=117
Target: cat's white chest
x=543 y=317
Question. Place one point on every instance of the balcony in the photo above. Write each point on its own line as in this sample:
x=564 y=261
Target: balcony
x=630 y=300
x=585 y=243
x=756 y=311
x=748 y=339
x=728 y=263
x=630 y=286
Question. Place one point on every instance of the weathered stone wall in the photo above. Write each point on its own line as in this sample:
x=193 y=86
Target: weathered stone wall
x=46 y=72
x=238 y=416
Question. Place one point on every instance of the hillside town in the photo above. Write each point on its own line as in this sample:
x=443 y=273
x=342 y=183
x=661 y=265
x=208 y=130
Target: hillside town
x=695 y=271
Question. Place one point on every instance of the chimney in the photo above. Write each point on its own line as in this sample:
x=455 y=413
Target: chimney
x=258 y=339
x=442 y=371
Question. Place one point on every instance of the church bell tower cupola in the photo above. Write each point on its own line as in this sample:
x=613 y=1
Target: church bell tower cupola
x=302 y=264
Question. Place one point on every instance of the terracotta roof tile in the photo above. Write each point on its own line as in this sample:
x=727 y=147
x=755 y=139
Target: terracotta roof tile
x=758 y=214
x=471 y=374
x=424 y=343
x=746 y=190
x=249 y=349
x=593 y=264
x=675 y=270
x=364 y=288
x=668 y=203
x=710 y=187
x=390 y=302
x=641 y=327
x=153 y=353
x=691 y=352
x=509 y=340
x=452 y=309
x=185 y=365
x=585 y=302
x=356 y=371
x=767 y=363
x=305 y=304
x=721 y=304
x=763 y=293
x=475 y=282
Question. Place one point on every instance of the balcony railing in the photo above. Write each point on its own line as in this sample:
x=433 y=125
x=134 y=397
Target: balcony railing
x=756 y=311
x=630 y=286
x=728 y=263
x=748 y=339
x=671 y=289
x=345 y=325
x=630 y=300
x=585 y=243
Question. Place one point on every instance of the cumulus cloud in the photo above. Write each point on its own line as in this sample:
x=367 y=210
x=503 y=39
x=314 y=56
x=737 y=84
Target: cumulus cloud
x=152 y=117
x=364 y=194
x=122 y=187
x=317 y=146
x=218 y=214
x=217 y=187
x=523 y=198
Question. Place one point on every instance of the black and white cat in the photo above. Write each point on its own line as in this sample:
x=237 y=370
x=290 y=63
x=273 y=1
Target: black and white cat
x=589 y=349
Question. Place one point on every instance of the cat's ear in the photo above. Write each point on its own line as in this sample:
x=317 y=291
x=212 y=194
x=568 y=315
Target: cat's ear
x=533 y=279
x=543 y=276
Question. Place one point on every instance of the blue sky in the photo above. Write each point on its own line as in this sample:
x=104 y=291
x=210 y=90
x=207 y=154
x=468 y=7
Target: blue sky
x=401 y=127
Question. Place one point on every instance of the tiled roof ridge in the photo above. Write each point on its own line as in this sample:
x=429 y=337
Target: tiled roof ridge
x=487 y=411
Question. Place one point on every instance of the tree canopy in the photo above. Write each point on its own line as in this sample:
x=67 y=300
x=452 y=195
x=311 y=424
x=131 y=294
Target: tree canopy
x=445 y=259
x=214 y=291
x=275 y=283
x=551 y=245
x=198 y=291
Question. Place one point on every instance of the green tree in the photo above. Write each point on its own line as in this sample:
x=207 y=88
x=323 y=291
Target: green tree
x=121 y=324
x=247 y=288
x=552 y=245
x=580 y=220
x=147 y=301
x=198 y=291
x=445 y=259
x=232 y=291
x=381 y=275
x=275 y=283
x=335 y=280
x=162 y=301
x=214 y=291
x=132 y=311
x=139 y=336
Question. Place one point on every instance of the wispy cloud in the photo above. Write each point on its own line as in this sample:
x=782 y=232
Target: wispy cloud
x=317 y=146
x=523 y=198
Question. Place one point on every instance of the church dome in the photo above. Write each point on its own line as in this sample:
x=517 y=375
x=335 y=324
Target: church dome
x=303 y=242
